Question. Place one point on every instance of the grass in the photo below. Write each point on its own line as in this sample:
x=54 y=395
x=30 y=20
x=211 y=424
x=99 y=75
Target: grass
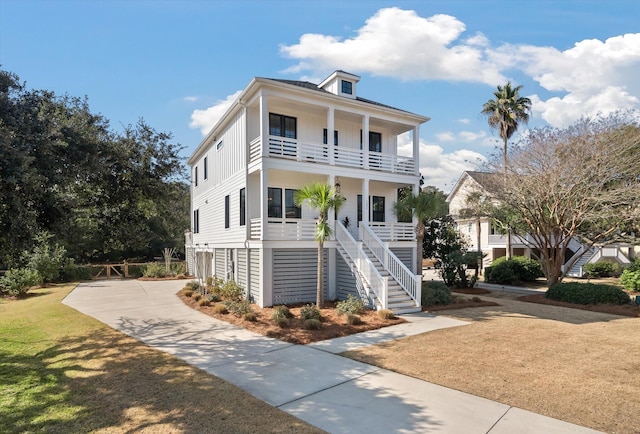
x=61 y=371
x=570 y=364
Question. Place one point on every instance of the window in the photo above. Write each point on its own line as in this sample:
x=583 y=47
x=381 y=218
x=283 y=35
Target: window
x=291 y=210
x=324 y=137
x=243 y=217
x=359 y=209
x=347 y=87
x=219 y=145
x=195 y=176
x=377 y=209
x=226 y=212
x=196 y=221
x=375 y=141
x=205 y=168
x=274 y=207
x=282 y=126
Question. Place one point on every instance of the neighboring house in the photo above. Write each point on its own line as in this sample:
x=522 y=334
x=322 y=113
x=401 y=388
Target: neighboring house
x=475 y=185
x=276 y=137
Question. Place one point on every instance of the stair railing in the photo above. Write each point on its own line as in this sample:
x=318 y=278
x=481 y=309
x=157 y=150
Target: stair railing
x=363 y=268
x=408 y=281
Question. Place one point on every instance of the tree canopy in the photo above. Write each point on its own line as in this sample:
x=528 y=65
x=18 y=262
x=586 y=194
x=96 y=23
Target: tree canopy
x=582 y=181
x=101 y=194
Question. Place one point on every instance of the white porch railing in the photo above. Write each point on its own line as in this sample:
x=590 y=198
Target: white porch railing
x=375 y=282
x=284 y=229
x=394 y=231
x=405 y=278
x=293 y=149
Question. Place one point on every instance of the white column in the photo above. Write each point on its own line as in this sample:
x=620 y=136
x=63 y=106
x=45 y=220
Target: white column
x=266 y=266
x=264 y=202
x=416 y=149
x=365 y=200
x=264 y=125
x=332 y=269
x=365 y=141
x=330 y=128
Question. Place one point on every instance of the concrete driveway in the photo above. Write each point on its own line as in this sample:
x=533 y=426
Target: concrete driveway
x=311 y=382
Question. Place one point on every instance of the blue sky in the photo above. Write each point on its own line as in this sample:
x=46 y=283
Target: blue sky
x=177 y=63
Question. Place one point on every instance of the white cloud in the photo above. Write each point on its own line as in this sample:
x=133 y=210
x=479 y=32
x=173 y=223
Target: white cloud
x=594 y=76
x=400 y=43
x=190 y=98
x=470 y=136
x=464 y=121
x=446 y=136
x=207 y=118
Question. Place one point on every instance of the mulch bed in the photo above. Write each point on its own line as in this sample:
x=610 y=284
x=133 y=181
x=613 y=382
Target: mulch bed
x=333 y=325
x=623 y=310
x=472 y=291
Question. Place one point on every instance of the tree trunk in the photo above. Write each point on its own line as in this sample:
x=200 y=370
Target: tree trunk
x=504 y=162
x=320 y=286
x=508 y=239
x=479 y=240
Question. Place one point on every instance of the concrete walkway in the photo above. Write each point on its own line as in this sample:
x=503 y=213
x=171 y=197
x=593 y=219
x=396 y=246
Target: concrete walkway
x=311 y=382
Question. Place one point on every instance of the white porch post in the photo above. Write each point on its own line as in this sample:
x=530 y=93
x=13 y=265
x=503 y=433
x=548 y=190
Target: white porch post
x=365 y=200
x=365 y=140
x=330 y=128
x=264 y=203
x=264 y=125
x=416 y=150
x=417 y=250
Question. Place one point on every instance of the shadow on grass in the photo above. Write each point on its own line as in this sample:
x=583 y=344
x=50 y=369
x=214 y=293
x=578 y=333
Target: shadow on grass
x=107 y=380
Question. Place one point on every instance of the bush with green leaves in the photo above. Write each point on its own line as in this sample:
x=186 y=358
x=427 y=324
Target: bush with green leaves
x=353 y=319
x=386 y=314
x=587 y=293
x=154 y=270
x=17 y=281
x=70 y=272
x=310 y=311
x=601 y=269
x=312 y=324
x=435 y=293
x=516 y=269
x=47 y=258
x=232 y=291
x=281 y=312
x=352 y=305
x=238 y=307
x=630 y=279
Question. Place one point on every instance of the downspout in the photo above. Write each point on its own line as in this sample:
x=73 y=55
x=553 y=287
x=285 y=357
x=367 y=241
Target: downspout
x=247 y=222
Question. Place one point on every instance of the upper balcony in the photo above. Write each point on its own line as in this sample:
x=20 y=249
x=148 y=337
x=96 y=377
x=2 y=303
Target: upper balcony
x=297 y=150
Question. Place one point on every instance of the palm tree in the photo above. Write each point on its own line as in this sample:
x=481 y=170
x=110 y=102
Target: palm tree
x=428 y=204
x=323 y=198
x=504 y=113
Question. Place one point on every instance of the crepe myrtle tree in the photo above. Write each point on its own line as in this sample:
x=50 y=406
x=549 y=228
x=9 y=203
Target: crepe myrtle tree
x=323 y=198
x=581 y=182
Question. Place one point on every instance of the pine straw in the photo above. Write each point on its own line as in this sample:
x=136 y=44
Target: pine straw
x=575 y=365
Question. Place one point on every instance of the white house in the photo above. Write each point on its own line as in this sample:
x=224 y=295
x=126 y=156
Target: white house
x=276 y=137
x=483 y=235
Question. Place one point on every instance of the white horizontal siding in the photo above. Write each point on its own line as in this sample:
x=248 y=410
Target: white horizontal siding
x=241 y=272
x=255 y=284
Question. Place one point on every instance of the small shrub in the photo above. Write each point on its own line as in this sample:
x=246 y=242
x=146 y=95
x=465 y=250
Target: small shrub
x=284 y=311
x=135 y=271
x=476 y=299
x=213 y=298
x=310 y=311
x=635 y=266
x=630 y=279
x=196 y=296
x=601 y=269
x=516 y=269
x=352 y=305
x=187 y=292
x=282 y=322
x=154 y=270
x=386 y=314
x=312 y=324
x=250 y=316
x=353 y=319
x=231 y=290
x=71 y=272
x=434 y=293
x=203 y=302
x=238 y=307
x=47 y=258
x=18 y=281
x=220 y=308
x=587 y=293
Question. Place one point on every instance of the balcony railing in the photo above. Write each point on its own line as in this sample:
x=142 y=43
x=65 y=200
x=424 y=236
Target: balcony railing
x=293 y=149
x=284 y=229
x=393 y=231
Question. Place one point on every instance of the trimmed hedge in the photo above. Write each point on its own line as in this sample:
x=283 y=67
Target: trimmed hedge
x=602 y=269
x=434 y=293
x=516 y=269
x=587 y=293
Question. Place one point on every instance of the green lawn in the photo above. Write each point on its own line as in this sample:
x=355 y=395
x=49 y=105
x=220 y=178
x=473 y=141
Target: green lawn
x=61 y=371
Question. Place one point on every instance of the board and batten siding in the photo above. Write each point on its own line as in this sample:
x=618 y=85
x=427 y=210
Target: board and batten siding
x=294 y=275
x=255 y=285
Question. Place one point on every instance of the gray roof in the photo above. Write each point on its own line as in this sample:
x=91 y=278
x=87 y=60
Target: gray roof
x=312 y=86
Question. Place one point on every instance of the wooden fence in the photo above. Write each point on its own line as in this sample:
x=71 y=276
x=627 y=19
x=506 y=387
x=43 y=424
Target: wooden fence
x=120 y=270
